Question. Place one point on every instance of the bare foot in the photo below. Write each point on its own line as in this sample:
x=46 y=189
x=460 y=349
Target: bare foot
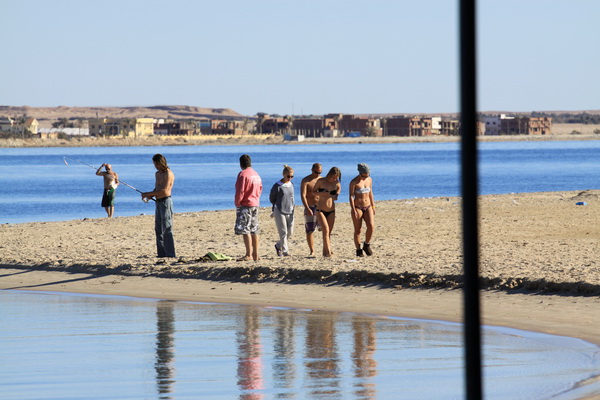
x=245 y=258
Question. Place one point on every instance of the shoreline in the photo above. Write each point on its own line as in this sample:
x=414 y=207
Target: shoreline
x=539 y=255
x=569 y=316
x=265 y=139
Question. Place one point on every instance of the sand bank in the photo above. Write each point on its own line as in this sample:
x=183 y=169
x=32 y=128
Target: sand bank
x=86 y=141
x=539 y=264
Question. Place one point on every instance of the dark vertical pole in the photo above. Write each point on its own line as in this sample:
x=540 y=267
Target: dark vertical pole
x=470 y=218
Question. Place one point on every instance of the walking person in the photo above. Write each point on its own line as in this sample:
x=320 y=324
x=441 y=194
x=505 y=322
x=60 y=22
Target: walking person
x=309 y=200
x=111 y=181
x=328 y=190
x=248 y=188
x=362 y=207
x=163 y=217
x=282 y=198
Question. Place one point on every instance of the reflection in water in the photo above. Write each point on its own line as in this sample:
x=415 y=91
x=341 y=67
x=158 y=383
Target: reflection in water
x=227 y=352
x=164 y=348
x=363 y=359
x=321 y=356
x=250 y=380
x=284 y=366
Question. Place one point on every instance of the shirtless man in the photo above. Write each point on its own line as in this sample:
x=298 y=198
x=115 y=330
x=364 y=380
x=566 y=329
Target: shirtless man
x=327 y=189
x=163 y=217
x=362 y=207
x=111 y=181
x=309 y=199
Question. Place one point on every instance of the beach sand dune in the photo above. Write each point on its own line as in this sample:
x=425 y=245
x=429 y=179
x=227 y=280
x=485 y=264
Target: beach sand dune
x=539 y=261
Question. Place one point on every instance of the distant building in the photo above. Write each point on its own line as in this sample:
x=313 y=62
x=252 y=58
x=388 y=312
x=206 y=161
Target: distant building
x=410 y=126
x=20 y=125
x=506 y=125
x=229 y=127
x=452 y=127
x=493 y=123
x=177 y=128
x=7 y=124
x=436 y=125
x=32 y=125
x=314 y=127
x=204 y=124
x=49 y=133
x=365 y=125
x=526 y=126
x=275 y=125
x=126 y=127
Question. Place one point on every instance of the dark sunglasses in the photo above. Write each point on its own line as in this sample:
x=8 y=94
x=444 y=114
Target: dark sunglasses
x=290 y=176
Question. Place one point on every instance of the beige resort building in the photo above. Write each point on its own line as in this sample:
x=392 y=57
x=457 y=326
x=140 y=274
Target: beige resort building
x=126 y=127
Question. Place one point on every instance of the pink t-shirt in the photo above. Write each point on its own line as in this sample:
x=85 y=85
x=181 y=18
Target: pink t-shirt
x=248 y=188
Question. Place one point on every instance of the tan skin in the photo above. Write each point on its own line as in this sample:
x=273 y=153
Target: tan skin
x=362 y=200
x=164 y=183
x=323 y=189
x=309 y=199
x=251 y=243
x=110 y=178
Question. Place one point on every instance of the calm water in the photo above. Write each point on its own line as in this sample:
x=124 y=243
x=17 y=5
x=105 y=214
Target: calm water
x=97 y=347
x=41 y=187
x=84 y=347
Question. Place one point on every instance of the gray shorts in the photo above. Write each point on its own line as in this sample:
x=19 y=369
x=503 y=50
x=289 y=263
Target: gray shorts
x=311 y=222
x=246 y=220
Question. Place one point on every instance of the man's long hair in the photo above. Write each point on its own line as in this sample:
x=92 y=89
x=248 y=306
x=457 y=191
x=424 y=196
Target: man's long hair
x=161 y=161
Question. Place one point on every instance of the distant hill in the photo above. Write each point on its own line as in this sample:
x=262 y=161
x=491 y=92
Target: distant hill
x=47 y=115
x=174 y=112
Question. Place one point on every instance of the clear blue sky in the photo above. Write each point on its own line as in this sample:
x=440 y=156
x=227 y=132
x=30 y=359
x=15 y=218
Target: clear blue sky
x=297 y=56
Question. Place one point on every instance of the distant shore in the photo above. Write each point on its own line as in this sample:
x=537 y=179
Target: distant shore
x=263 y=140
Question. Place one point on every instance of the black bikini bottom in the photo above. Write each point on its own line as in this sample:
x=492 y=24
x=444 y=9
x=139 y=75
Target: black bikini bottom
x=326 y=213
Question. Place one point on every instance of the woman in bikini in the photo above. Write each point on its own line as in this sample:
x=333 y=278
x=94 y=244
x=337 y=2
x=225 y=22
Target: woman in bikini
x=327 y=189
x=362 y=207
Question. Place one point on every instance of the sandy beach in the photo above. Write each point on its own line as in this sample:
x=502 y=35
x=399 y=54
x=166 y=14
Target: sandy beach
x=539 y=268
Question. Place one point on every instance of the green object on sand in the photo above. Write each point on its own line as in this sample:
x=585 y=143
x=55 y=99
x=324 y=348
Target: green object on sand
x=217 y=256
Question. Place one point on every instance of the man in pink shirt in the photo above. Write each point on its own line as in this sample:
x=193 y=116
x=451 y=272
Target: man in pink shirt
x=248 y=189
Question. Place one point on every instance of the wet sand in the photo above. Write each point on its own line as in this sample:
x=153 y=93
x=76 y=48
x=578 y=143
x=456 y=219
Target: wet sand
x=539 y=268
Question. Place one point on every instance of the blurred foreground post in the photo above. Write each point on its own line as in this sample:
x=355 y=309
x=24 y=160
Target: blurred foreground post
x=470 y=191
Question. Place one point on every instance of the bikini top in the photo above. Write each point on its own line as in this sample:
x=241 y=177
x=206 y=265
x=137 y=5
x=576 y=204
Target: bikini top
x=322 y=190
x=362 y=190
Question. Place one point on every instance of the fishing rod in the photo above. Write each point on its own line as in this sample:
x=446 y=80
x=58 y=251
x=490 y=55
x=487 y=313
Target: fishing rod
x=92 y=167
